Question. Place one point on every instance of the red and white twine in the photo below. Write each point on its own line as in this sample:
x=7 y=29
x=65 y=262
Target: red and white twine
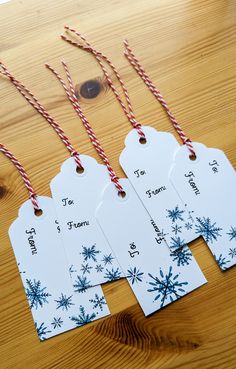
x=29 y=96
x=99 y=57
x=70 y=92
x=20 y=168
x=141 y=72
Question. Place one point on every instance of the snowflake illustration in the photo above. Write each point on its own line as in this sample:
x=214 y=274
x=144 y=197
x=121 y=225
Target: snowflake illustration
x=86 y=268
x=176 y=229
x=107 y=259
x=35 y=294
x=81 y=284
x=57 y=323
x=98 y=302
x=71 y=269
x=221 y=262
x=162 y=234
x=232 y=233
x=134 y=275
x=232 y=252
x=112 y=275
x=99 y=268
x=90 y=253
x=190 y=213
x=41 y=331
x=167 y=286
x=177 y=243
x=175 y=214
x=64 y=302
x=188 y=226
x=207 y=230
x=182 y=255
x=82 y=318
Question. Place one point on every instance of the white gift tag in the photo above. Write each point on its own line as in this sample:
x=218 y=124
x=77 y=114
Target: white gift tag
x=147 y=166
x=76 y=196
x=156 y=274
x=44 y=270
x=208 y=186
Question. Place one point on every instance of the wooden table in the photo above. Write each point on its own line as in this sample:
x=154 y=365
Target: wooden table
x=188 y=47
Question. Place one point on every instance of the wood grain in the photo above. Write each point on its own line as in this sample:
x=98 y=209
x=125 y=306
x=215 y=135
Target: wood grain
x=188 y=47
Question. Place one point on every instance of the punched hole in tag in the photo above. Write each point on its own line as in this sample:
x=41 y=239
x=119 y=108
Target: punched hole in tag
x=122 y=194
x=142 y=140
x=192 y=157
x=38 y=212
x=79 y=170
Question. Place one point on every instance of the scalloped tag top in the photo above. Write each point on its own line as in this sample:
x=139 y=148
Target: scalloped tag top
x=147 y=166
x=156 y=275
x=208 y=186
x=76 y=196
x=55 y=305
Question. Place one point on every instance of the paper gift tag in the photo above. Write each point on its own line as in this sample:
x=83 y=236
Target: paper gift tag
x=44 y=270
x=208 y=186
x=147 y=166
x=76 y=196
x=156 y=275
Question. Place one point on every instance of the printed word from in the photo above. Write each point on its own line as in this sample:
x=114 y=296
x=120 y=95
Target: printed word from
x=151 y=193
x=160 y=236
x=31 y=240
x=193 y=185
x=72 y=225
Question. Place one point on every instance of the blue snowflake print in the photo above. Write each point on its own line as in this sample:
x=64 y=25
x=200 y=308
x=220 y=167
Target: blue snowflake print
x=167 y=286
x=82 y=318
x=162 y=234
x=90 y=253
x=221 y=261
x=35 y=294
x=190 y=212
x=112 y=275
x=81 y=284
x=134 y=275
x=41 y=331
x=188 y=226
x=99 y=268
x=86 y=268
x=232 y=233
x=176 y=229
x=175 y=214
x=177 y=243
x=210 y=232
x=57 y=323
x=107 y=259
x=71 y=269
x=182 y=255
x=232 y=252
x=98 y=302
x=64 y=302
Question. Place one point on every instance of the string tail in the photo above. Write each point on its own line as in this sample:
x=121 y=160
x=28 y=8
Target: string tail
x=71 y=95
x=100 y=57
x=21 y=170
x=31 y=98
x=135 y=63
